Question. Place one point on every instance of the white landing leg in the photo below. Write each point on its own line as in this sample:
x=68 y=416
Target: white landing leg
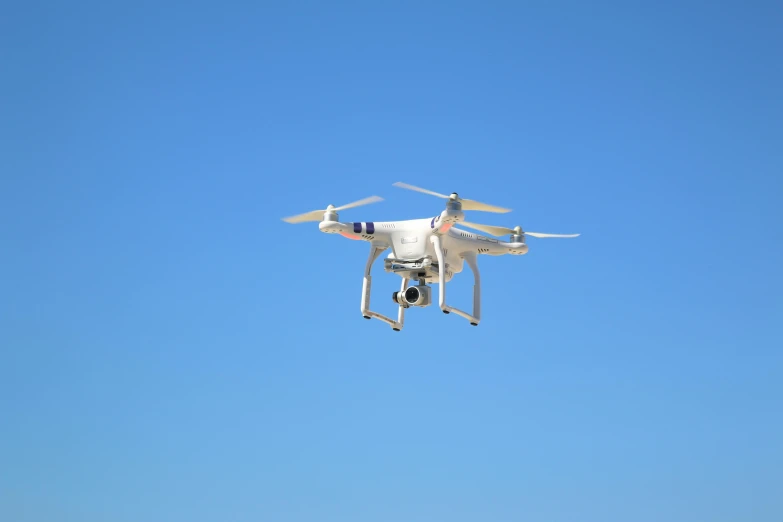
x=367 y=287
x=470 y=258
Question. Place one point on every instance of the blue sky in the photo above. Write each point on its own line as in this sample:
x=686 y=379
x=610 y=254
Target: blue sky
x=171 y=351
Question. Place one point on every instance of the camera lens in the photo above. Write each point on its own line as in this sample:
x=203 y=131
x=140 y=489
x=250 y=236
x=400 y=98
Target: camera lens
x=412 y=294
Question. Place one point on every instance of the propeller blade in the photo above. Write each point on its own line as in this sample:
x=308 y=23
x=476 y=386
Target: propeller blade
x=489 y=229
x=418 y=189
x=539 y=234
x=318 y=215
x=314 y=215
x=502 y=231
x=469 y=204
x=365 y=201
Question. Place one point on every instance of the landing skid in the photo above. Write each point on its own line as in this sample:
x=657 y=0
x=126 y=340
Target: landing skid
x=422 y=270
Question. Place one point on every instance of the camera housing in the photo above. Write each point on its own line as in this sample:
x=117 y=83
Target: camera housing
x=414 y=296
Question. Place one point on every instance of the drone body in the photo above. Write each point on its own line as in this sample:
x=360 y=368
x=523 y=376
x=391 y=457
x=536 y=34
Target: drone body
x=424 y=250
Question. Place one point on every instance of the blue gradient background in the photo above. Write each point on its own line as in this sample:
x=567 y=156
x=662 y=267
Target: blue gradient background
x=171 y=351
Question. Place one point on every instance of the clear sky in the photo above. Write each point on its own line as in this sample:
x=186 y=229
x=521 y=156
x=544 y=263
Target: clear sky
x=170 y=350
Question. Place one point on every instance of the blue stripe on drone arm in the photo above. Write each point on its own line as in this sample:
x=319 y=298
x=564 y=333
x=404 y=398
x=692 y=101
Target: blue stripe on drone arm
x=368 y=228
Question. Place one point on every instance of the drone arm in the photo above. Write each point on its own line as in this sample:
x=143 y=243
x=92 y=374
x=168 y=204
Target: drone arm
x=376 y=251
x=335 y=227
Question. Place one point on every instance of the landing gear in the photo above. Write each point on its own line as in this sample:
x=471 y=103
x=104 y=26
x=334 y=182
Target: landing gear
x=376 y=251
x=470 y=259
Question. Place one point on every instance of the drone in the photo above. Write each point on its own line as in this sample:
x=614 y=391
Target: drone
x=426 y=250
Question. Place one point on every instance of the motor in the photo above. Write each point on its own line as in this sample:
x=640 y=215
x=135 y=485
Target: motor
x=413 y=296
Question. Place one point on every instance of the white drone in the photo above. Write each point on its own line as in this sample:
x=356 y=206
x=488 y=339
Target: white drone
x=424 y=250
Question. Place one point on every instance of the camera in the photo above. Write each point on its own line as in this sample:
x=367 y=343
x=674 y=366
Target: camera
x=413 y=296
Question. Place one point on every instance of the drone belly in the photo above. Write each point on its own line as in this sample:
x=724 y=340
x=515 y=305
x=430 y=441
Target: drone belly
x=410 y=244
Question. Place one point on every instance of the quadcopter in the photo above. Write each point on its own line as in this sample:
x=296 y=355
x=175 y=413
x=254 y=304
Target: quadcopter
x=426 y=251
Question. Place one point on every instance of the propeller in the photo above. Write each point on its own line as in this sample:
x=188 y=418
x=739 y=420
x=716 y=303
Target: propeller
x=517 y=231
x=467 y=204
x=318 y=215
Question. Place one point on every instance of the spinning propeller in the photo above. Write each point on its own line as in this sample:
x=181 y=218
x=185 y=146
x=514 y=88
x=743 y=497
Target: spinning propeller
x=318 y=215
x=467 y=204
x=516 y=231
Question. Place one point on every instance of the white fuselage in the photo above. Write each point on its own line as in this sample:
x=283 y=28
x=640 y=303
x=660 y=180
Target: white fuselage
x=411 y=240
